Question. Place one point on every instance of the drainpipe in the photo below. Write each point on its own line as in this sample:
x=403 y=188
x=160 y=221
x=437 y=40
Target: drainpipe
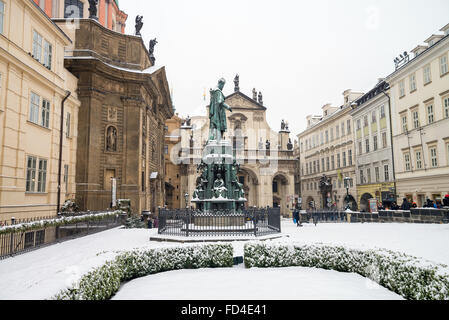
x=61 y=136
x=391 y=139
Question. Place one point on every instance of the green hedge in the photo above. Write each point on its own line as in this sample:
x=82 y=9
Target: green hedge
x=410 y=277
x=103 y=282
x=36 y=225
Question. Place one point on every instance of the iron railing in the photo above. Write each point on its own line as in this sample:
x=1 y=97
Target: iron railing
x=18 y=242
x=190 y=223
x=419 y=215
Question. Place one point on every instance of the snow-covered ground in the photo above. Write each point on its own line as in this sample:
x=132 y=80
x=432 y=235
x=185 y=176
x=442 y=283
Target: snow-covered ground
x=254 y=284
x=42 y=273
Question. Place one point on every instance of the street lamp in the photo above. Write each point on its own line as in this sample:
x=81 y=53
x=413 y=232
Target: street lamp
x=347 y=180
x=186 y=197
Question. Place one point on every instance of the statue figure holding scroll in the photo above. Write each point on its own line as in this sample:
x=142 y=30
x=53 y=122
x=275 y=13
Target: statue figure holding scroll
x=217 y=112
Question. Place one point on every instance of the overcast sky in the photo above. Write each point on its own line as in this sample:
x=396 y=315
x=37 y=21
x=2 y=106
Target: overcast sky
x=300 y=54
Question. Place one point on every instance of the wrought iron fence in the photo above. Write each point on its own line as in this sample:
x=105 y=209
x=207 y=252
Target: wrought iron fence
x=190 y=223
x=24 y=241
x=419 y=215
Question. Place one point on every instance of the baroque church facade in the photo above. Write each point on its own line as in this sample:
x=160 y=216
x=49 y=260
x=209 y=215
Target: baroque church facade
x=267 y=163
x=125 y=101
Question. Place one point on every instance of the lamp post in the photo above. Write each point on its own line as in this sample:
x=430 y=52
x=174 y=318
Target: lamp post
x=186 y=197
x=347 y=181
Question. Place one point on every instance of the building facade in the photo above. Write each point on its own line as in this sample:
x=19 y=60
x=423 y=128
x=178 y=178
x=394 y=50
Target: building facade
x=374 y=158
x=267 y=164
x=327 y=150
x=33 y=85
x=172 y=170
x=109 y=14
x=125 y=101
x=420 y=116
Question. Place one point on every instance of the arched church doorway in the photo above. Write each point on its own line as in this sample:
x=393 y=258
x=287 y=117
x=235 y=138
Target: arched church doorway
x=280 y=192
x=250 y=182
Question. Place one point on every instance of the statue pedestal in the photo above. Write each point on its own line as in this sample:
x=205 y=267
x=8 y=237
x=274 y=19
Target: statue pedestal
x=220 y=221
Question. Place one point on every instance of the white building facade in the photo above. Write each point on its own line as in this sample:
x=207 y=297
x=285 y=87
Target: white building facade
x=420 y=121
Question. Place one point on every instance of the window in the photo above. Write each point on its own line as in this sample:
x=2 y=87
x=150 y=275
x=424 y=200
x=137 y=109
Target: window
x=360 y=148
x=367 y=145
x=368 y=174
x=402 y=88
x=31 y=174
x=73 y=9
x=322 y=164
x=404 y=123
x=338 y=161
x=40 y=237
x=106 y=13
x=427 y=75
x=443 y=65
x=365 y=121
x=337 y=132
x=373 y=117
x=165 y=149
x=2 y=15
x=34 y=108
x=42 y=50
x=430 y=115
x=348 y=126
x=382 y=112
x=350 y=157
x=447 y=149
x=415 y=114
x=322 y=138
x=333 y=162
x=377 y=173
x=362 y=178
x=407 y=162
x=375 y=143
x=386 y=173
x=342 y=129
x=68 y=125
x=412 y=82
x=433 y=157
x=42 y=4
x=359 y=125
x=446 y=107
x=47 y=54
x=45 y=120
x=384 y=140
x=344 y=159
x=37 y=46
x=418 y=156
x=327 y=164
x=66 y=176
x=327 y=136
x=55 y=9
x=332 y=134
x=42 y=176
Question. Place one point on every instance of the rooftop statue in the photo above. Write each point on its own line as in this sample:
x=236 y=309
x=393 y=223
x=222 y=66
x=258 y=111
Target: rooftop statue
x=237 y=83
x=139 y=25
x=217 y=112
x=93 y=9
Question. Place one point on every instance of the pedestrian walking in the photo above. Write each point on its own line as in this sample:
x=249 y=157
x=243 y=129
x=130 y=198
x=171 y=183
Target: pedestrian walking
x=446 y=201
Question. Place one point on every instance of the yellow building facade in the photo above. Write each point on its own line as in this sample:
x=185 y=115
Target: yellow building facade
x=33 y=85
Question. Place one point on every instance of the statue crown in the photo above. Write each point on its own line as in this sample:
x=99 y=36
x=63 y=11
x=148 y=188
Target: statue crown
x=222 y=80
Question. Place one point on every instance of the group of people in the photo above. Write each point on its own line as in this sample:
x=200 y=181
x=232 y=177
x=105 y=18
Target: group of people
x=437 y=204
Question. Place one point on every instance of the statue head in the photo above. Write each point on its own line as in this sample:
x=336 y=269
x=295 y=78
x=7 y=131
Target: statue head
x=218 y=175
x=221 y=83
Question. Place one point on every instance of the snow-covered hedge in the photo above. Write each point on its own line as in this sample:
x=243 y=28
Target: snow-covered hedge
x=25 y=227
x=410 y=277
x=103 y=282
